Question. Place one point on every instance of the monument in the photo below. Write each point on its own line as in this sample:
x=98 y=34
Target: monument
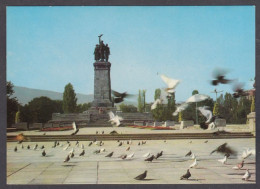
x=102 y=82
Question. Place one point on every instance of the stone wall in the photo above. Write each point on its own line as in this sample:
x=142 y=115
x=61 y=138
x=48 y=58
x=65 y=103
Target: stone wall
x=185 y=124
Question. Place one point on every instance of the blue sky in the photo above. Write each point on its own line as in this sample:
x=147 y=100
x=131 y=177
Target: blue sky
x=48 y=47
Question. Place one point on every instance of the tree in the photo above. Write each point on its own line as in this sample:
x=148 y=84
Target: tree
x=157 y=94
x=141 y=100
x=83 y=107
x=69 y=99
x=216 y=109
x=12 y=104
x=144 y=105
x=195 y=92
x=17 y=117
x=180 y=117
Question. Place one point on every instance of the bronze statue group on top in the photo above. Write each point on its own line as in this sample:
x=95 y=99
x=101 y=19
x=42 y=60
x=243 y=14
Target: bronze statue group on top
x=102 y=51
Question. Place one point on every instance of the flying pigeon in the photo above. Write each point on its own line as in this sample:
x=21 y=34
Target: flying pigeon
x=155 y=103
x=114 y=119
x=239 y=91
x=82 y=153
x=130 y=156
x=15 y=148
x=171 y=84
x=141 y=176
x=67 y=158
x=224 y=149
x=224 y=160
x=186 y=176
x=247 y=175
x=219 y=77
x=188 y=154
x=110 y=154
x=43 y=153
x=119 y=97
x=197 y=98
x=194 y=164
x=205 y=112
x=150 y=159
x=239 y=166
x=75 y=128
x=180 y=108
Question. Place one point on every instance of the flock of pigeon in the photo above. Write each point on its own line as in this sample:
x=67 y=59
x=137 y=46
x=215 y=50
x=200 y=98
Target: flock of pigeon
x=148 y=157
x=219 y=78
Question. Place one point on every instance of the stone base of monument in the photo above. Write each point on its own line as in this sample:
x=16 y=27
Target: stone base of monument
x=185 y=124
x=251 y=122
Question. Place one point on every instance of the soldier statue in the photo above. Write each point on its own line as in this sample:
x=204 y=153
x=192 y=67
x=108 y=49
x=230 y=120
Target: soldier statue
x=107 y=52
x=102 y=50
x=97 y=53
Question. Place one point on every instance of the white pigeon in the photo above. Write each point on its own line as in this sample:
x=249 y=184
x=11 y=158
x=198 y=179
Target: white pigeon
x=130 y=156
x=197 y=98
x=156 y=102
x=75 y=128
x=224 y=160
x=251 y=151
x=82 y=146
x=171 y=83
x=147 y=154
x=130 y=142
x=72 y=150
x=180 y=108
x=193 y=156
x=207 y=113
x=114 y=119
x=66 y=147
x=247 y=175
x=102 y=150
x=194 y=164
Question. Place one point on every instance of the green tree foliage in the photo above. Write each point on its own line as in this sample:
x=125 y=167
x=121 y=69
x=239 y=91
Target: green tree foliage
x=17 y=116
x=144 y=103
x=40 y=110
x=69 y=99
x=253 y=105
x=216 y=109
x=127 y=108
x=157 y=94
x=12 y=104
x=83 y=107
x=141 y=101
x=195 y=92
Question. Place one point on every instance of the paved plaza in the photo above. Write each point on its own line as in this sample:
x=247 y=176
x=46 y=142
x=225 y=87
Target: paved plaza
x=30 y=167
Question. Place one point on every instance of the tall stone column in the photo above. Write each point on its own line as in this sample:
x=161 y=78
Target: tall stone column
x=102 y=84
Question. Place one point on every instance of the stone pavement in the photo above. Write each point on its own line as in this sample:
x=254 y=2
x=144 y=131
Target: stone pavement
x=30 y=167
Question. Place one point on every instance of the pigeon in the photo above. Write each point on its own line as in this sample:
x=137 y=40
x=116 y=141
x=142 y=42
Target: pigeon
x=219 y=77
x=159 y=155
x=90 y=143
x=113 y=132
x=72 y=154
x=42 y=147
x=180 y=108
x=171 y=84
x=224 y=160
x=102 y=150
x=15 y=148
x=247 y=175
x=251 y=152
x=147 y=154
x=119 y=97
x=96 y=152
x=194 y=164
x=128 y=148
x=75 y=129
x=82 y=146
x=124 y=156
x=110 y=154
x=156 y=102
x=206 y=141
x=20 y=142
x=120 y=144
x=206 y=113
x=247 y=153
x=239 y=91
x=224 y=149
x=96 y=132
x=103 y=132
x=72 y=150
x=44 y=134
x=35 y=147
x=186 y=176
x=77 y=143
x=188 y=154
x=82 y=153
x=138 y=143
x=57 y=143
x=22 y=146
x=28 y=147
x=43 y=153
x=67 y=158
x=130 y=156
x=66 y=147
x=130 y=142
x=150 y=159
x=239 y=166
x=114 y=119
x=141 y=176
x=197 y=98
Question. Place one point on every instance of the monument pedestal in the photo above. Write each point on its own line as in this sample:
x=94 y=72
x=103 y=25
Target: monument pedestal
x=251 y=122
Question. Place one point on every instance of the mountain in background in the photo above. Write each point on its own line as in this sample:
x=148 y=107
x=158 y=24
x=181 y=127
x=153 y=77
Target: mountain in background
x=25 y=95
